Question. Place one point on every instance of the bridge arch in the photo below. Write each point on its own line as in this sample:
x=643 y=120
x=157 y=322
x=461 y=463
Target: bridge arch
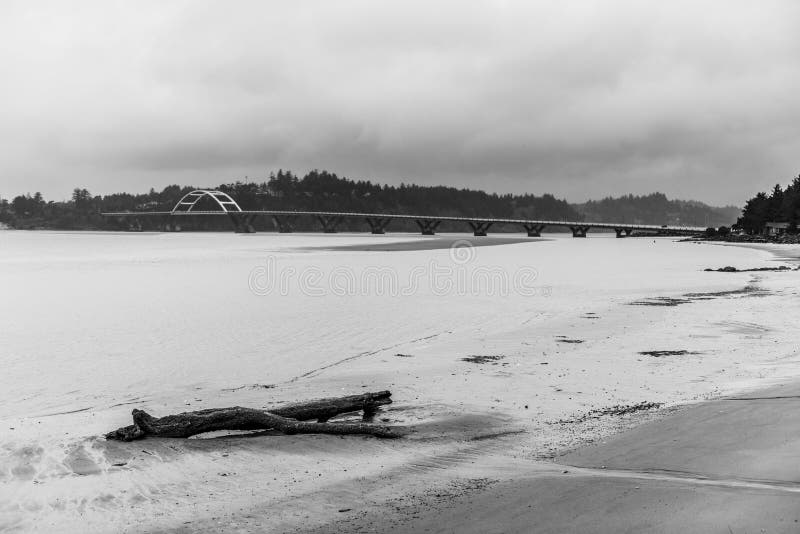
x=223 y=200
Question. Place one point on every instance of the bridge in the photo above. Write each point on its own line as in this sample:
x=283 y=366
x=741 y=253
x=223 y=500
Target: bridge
x=284 y=221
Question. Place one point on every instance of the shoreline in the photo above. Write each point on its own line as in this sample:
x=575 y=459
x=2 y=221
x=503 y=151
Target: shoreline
x=695 y=469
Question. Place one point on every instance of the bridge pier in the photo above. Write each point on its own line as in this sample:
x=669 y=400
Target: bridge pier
x=621 y=231
x=534 y=230
x=329 y=223
x=480 y=228
x=428 y=226
x=579 y=231
x=284 y=223
x=242 y=224
x=378 y=224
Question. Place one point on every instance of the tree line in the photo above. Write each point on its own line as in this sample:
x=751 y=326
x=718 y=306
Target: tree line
x=325 y=191
x=781 y=205
x=656 y=208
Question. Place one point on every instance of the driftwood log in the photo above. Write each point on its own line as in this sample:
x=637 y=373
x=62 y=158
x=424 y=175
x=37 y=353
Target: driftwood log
x=290 y=419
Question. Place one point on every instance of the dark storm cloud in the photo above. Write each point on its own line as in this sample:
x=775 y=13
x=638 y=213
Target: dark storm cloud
x=583 y=99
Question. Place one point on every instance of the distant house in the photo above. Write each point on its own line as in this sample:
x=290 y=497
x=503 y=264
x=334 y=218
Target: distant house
x=775 y=228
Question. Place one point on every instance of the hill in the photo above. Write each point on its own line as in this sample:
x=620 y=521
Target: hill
x=656 y=208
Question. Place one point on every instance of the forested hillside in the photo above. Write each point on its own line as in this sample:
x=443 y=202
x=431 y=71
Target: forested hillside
x=656 y=208
x=325 y=191
x=780 y=205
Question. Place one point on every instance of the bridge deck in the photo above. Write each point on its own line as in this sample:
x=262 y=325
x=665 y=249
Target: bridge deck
x=494 y=220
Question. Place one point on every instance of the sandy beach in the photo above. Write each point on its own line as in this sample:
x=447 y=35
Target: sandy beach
x=588 y=338
x=727 y=465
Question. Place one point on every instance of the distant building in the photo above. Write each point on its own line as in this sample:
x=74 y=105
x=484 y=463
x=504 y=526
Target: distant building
x=775 y=228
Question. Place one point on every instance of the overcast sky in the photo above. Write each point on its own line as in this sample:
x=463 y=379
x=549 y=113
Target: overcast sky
x=583 y=99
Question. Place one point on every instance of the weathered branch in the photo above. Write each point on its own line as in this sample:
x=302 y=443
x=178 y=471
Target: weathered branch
x=324 y=409
x=288 y=419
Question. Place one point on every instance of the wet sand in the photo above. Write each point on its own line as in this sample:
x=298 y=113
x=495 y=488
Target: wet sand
x=432 y=243
x=724 y=466
x=577 y=503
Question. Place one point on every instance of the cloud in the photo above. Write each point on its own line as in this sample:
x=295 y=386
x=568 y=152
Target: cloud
x=695 y=99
